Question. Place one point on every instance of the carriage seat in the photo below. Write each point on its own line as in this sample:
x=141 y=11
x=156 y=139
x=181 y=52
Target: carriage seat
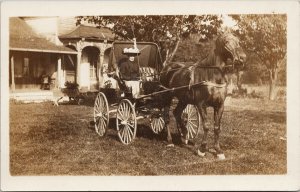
x=148 y=74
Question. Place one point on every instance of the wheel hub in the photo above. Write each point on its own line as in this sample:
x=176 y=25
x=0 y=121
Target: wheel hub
x=124 y=122
x=99 y=114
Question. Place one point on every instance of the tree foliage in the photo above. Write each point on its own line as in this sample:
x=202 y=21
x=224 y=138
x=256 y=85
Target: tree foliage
x=166 y=30
x=264 y=36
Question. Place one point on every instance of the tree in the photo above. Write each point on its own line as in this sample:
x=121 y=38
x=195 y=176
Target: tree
x=166 y=30
x=265 y=36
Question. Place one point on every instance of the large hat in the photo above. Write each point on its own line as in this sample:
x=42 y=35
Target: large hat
x=131 y=51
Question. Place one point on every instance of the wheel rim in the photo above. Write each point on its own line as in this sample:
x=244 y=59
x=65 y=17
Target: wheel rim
x=126 y=121
x=193 y=121
x=101 y=114
x=157 y=124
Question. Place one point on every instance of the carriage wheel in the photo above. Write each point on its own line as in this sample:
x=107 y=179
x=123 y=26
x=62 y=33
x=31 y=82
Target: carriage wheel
x=101 y=114
x=192 y=117
x=157 y=124
x=126 y=121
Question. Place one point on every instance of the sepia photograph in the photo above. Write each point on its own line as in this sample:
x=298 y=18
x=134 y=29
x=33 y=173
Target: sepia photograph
x=129 y=95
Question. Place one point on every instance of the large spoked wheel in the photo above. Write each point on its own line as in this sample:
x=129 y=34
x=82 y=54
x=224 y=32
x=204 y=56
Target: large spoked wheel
x=191 y=116
x=101 y=114
x=126 y=121
x=157 y=124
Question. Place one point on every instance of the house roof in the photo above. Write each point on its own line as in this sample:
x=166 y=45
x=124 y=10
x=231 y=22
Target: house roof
x=89 y=32
x=23 y=38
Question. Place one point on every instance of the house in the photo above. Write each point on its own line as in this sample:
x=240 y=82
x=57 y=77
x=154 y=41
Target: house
x=32 y=56
x=93 y=46
x=57 y=48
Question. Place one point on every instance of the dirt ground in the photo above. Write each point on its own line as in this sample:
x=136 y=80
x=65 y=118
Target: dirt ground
x=50 y=140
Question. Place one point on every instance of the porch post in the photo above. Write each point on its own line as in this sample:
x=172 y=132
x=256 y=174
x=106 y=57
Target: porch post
x=78 y=67
x=12 y=62
x=59 y=73
x=99 y=67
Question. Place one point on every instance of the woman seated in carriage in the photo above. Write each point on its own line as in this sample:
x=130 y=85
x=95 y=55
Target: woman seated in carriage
x=129 y=71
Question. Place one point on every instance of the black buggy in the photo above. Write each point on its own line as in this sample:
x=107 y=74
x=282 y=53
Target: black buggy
x=116 y=98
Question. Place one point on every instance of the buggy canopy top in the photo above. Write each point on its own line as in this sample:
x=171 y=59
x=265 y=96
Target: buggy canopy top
x=148 y=56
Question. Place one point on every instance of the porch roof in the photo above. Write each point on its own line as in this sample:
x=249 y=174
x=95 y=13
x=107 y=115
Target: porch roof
x=89 y=32
x=23 y=38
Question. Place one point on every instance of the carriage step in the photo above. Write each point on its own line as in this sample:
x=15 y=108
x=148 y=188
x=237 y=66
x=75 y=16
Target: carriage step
x=140 y=117
x=113 y=111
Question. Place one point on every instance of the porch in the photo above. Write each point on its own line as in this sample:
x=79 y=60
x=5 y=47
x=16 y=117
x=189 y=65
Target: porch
x=32 y=95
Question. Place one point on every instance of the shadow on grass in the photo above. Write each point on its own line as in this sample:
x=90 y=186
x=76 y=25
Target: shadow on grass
x=143 y=131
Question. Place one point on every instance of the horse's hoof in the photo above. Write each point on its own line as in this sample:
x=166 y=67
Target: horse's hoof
x=170 y=145
x=221 y=156
x=200 y=153
x=186 y=141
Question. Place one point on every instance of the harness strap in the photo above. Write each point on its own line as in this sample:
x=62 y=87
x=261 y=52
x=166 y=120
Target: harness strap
x=207 y=83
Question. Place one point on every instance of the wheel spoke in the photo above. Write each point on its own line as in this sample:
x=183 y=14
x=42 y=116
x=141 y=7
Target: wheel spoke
x=104 y=117
x=96 y=108
x=126 y=134
x=192 y=113
x=190 y=135
x=192 y=124
x=161 y=122
x=98 y=102
x=120 y=116
x=155 y=124
x=122 y=133
x=130 y=133
x=122 y=109
x=193 y=130
x=129 y=128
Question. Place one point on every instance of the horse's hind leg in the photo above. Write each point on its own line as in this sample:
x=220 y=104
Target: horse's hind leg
x=180 y=123
x=203 y=113
x=218 y=111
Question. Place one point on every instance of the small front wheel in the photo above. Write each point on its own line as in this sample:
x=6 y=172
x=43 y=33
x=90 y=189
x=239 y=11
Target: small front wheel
x=192 y=120
x=157 y=124
x=126 y=121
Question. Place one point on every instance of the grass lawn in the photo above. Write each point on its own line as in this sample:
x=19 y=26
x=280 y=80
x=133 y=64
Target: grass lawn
x=50 y=140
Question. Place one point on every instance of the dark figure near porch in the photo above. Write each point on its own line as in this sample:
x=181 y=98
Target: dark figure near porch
x=45 y=81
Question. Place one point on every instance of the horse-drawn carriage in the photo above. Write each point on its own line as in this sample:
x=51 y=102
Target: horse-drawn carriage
x=149 y=94
x=130 y=98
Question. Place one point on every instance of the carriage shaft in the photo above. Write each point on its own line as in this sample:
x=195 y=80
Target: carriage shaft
x=202 y=83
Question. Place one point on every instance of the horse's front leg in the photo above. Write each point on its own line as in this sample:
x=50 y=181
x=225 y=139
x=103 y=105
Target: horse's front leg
x=166 y=116
x=180 y=123
x=203 y=113
x=218 y=111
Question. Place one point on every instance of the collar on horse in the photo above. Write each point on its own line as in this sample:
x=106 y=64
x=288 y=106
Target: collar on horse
x=204 y=83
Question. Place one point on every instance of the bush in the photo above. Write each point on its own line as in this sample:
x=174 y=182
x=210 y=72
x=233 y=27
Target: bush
x=70 y=85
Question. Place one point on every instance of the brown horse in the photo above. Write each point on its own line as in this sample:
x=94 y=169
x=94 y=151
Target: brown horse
x=210 y=75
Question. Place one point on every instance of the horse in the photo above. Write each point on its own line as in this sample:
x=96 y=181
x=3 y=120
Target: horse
x=211 y=75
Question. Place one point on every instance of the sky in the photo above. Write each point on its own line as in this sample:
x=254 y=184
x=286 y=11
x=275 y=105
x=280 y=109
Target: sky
x=228 y=21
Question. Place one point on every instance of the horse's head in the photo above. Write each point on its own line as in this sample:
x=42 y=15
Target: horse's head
x=228 y=46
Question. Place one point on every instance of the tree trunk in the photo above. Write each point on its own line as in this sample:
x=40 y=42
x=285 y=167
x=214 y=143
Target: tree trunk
x=169 y=57
x=272 y=83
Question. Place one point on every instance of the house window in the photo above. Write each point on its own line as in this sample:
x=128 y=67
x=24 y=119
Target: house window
x=26 y=67
x=93 y=71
